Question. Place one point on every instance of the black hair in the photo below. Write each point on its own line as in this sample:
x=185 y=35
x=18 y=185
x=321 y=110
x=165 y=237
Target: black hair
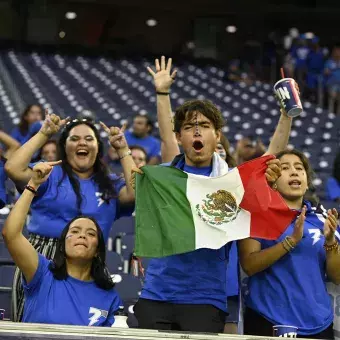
x=148 y=120
x=305 y=162
x=336 y=167
x=23 y=125
x=99 y=271
x=205 y=107
x=101 y=172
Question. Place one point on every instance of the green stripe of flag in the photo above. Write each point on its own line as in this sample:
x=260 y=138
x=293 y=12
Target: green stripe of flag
x=153 y=238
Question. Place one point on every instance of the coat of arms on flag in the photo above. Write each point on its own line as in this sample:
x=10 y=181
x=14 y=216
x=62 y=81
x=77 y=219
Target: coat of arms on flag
x=220 y=207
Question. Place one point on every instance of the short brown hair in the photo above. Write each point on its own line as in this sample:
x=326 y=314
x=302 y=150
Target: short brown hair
x=309 y=171
x=205 y=107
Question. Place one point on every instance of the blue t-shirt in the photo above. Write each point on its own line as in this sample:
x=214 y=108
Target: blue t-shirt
x=333 y=189
x=23 y=138
x=232 y=271
x=55 y=206
x=198 y=277
x=3 y=177
x=334 y=67
x=151 y=144
x=315 y=61
x=293 y=290
x=300 y=56
x=67 y=302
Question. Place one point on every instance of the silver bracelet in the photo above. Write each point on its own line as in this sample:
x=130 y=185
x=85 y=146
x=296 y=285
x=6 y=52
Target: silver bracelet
x=128 y=153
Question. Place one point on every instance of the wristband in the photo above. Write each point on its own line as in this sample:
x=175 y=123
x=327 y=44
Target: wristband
x=163 y=93
x=31 y=189
x=334 y=246
x=127 y=153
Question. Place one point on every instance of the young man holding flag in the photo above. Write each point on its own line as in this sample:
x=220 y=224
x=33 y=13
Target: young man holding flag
x=187 y=292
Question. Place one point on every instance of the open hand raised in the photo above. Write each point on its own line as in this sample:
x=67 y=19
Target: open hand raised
x=163 y=79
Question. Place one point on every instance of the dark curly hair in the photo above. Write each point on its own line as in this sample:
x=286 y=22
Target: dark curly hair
x=101 y=172
x=99 y=272
x=205 y=107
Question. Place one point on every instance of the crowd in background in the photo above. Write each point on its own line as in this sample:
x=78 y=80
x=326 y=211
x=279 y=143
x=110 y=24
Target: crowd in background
x=98 y=174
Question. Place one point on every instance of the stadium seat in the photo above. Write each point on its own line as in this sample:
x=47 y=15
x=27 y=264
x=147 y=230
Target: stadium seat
x=114 y=262
x=127 y=286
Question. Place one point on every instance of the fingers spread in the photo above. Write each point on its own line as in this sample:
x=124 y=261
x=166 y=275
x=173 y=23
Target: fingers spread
x=158 y=67
x=151 y=71
x=173 y=74
x=169 y=65
x=163 y=63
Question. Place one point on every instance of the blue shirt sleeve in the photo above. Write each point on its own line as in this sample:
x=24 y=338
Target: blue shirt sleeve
x=333 y=189
x=32 y=287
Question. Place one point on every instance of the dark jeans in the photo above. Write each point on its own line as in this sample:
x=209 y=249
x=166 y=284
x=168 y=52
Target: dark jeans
x=256 y=324
x=179 y=317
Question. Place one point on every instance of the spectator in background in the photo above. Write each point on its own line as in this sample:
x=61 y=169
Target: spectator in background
x=287 y=284
x=299 y=54
x=10 y=146
x=141 y=136
x=139 y=155
x=111 y=159
x=333 y=183
x=315 y=65
x=73 y=289
x=223 y=149
x=81 y=185
x=49 y=151
x=29 y=123
x=332 y=73
x=247 y=149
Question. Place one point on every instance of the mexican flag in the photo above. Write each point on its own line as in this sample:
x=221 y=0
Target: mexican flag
x=178 y=212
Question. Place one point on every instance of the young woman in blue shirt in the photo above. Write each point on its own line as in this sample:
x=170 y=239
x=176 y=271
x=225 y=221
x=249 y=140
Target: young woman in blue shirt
x=287 y=277
x=80 y=185
x=30 y=123
x=55 y=290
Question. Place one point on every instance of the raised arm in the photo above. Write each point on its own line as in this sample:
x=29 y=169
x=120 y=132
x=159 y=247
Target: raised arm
x=254 y=260
x=22 y=252
x=118 y=142
x=163 y=79
x=281 y=135
x=280 y=138
x=17 y=167
x=11 y=144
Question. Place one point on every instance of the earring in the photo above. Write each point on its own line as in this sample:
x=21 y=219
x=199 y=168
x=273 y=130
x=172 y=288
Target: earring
x=274 y=187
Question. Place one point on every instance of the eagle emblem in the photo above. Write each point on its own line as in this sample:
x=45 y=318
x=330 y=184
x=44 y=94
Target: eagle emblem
x=218 y=208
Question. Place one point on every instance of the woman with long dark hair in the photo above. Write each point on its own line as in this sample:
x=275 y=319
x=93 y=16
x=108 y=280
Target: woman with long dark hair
x=80 y=185
x=30 y=123
x=287 y=277
x=55 y=290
